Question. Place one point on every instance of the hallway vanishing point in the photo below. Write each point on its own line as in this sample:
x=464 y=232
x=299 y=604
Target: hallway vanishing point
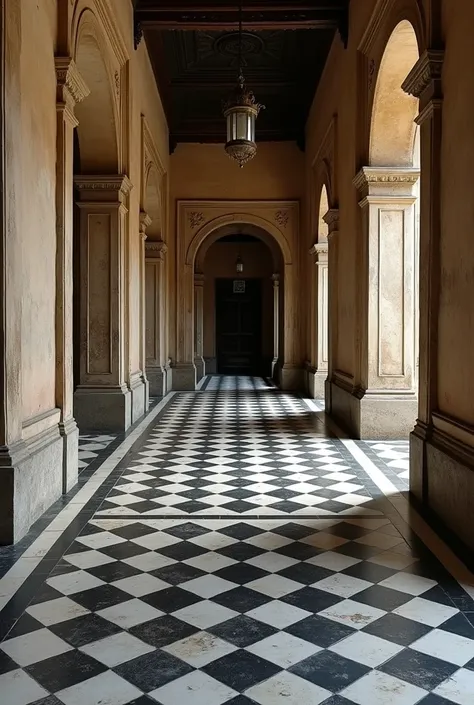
x=234 y=548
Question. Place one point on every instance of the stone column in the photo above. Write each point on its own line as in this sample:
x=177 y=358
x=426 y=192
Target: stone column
x=102 y=401
x=70 y=90
x=320 y=373
x=199 y=363
x=424 y=82
x=154 y=262
x=388 y=400
x=145 y=221
x=331 y=218
x=276 y=326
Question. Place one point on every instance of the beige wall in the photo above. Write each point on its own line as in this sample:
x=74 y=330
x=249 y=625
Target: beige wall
x=220 y=263
x=205 y=172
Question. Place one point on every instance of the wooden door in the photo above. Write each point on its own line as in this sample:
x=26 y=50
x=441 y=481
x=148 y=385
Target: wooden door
x=238 y=326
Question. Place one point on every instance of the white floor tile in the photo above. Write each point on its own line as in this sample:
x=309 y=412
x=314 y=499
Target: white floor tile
x=278 y=614
x=367 y=649
x=426 y=612
x=100 y=540
x=35 y=646
x=56 y=611
x=283 y=649
x=272 y=562
x=18 y=688
x=106 y=689
x=208 y=586
x=323 y=540
x=77 y=581
x=210 y=562
x=149 y=561
x=129 y=614
x=200 y=649
x=275 y=586
x=409 y=583
x=342 y=585
x=88 y=559
x=378 y=688
x=333 y=561
x=196 y=688
x=117 y=649
x=446 y=646
x=287 y=689
x=352 y=613
x=139 y=585
x=459 y=688
x=204 y=614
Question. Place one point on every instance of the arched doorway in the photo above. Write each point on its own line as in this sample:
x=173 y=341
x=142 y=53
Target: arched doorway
x=102 y=400
x=388 y=199
x=237 y=304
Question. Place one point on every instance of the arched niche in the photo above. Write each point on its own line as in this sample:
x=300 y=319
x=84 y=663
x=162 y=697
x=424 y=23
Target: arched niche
x=393 y=128
x=323 y=209
x=152 y=202
x=97 y=114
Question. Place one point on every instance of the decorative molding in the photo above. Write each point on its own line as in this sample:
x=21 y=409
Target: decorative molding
x=331 y=218
x=117 y=82
x=426 y=72
x=319 y=249
x=371 y=73
x=199 y=279
x=145 y=221
x=385 y=175
x=120 y=183
x=107 y=16
x=282 y=218
x=69 y=80
x=195 y=219
x=155 y=249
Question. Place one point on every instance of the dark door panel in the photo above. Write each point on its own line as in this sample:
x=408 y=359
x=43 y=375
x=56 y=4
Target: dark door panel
x=238 y=326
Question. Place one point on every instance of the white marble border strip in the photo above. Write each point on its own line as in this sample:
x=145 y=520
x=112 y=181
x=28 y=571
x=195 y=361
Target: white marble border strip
x=31 y=558
x=413 y=520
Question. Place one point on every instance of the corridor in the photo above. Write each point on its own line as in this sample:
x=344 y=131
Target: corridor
x=236 y=549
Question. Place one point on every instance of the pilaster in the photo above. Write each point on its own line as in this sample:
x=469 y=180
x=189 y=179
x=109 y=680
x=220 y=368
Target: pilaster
x=331 y=218
x=155 y=252
x=388 y=318
x=319 y=373
x=276 y=326
x=102 y=401
x=199 y=363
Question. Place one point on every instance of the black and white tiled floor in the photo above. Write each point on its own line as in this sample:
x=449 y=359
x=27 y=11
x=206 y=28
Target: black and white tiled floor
x=92 y=446
x=241 y=555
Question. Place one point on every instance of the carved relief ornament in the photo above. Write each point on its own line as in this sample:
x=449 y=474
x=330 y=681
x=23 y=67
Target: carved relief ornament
x=156 y=249
x=426 y=72
x=70 y=85
x=282 y=218
x=195 y=219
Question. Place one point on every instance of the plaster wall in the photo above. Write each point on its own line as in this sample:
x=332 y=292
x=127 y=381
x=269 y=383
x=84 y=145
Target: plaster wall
x=36 y=154
x=220 y=263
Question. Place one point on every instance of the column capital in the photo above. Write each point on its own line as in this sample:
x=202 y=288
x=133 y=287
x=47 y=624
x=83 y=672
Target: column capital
x=385 y=181
x=331 y=218
x=426 y=73
x=103 y=188
x=199 y=279
x=156 y=249
x=320 y=252
x=276 y=279
x=145 y=221
x=71 y=87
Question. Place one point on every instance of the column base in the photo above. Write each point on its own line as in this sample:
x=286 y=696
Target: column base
x=200 y=366
x=372 y=416
x=157 y=380
x=139 y=392
x=103 y=409
x=31 y=474
x=291 y=378
x=70 y=435
x=315 y=382
x=442 y=478
x=184 y=377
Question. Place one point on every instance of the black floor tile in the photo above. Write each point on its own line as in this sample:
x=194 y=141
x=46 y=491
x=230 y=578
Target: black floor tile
x=65 y=670
x=397 y=629
x=312 y=599
x=383 y=598
x=163 y=631
x=84 y=630
x=241 y=670
x=241 y=573
x=99 y=598
x=242 y=631
x=241 y=599
x=320 y=631
x=153 y=670
x=177 y=573
x=419 y=669
x=171 y=599
x=330 y=670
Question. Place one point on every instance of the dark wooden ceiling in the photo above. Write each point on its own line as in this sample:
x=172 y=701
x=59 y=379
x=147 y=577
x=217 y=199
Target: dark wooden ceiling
x=194 y=52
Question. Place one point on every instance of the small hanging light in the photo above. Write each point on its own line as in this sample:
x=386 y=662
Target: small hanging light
x=241 y=111
x=239 y=265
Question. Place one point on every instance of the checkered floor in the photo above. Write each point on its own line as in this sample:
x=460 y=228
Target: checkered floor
x=91 y=447
x=242 y=558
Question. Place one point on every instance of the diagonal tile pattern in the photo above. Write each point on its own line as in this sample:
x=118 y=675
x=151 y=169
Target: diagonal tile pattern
x=301 y=591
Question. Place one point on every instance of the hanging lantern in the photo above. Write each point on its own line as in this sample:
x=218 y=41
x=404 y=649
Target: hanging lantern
x=239 y=265
x=241 y=111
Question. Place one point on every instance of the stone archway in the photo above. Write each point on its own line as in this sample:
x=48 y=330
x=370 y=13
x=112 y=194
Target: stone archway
x=198 y=221
x=388 y=387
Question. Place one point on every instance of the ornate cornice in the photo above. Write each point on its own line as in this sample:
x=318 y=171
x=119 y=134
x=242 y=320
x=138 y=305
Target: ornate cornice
x=156 y=249
x=318 y=249
x=385 y=175
x=109 y=182
x=331 y=218
x=426 y=72
x=70 y=84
